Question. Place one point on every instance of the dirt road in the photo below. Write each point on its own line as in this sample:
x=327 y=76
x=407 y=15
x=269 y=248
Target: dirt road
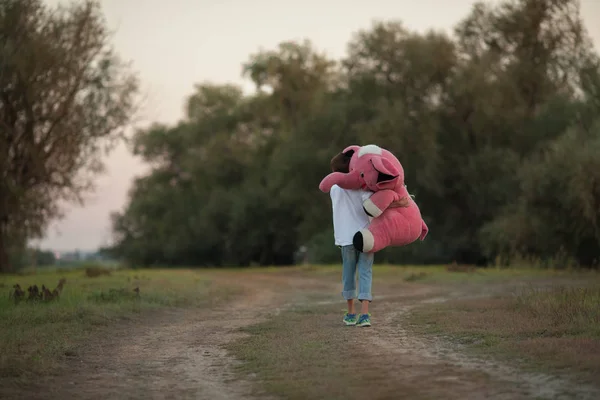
x=180 y=355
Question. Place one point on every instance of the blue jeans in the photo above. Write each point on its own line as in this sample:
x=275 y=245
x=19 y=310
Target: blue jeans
x=352 y=260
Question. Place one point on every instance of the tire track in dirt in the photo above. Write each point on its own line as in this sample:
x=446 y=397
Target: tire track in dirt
x=446 y=371
x=178 y=355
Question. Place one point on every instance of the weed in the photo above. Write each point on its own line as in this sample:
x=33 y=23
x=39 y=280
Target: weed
x=94 y=272
x=36 y=334
x=35 y=294
x=115 y=295
x=454 y=267
x=575 y=308
x=415 y=276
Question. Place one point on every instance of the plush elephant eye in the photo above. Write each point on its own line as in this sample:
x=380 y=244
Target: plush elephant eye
x=362 y=175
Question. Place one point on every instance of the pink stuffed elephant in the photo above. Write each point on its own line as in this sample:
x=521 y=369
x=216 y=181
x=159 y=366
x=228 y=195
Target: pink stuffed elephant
x=378 y=170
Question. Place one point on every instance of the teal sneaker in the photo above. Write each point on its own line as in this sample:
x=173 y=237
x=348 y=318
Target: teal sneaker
x=364 y=320
x=350 y=319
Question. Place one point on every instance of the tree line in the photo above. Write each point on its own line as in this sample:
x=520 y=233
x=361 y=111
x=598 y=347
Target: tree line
x=496 y=123
x=497 y=127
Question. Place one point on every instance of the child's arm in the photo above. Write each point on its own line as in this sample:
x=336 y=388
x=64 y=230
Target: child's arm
x=403 y=202
x=376 y=204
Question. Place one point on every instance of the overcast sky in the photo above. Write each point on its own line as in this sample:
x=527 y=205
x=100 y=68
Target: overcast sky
x=174 y=44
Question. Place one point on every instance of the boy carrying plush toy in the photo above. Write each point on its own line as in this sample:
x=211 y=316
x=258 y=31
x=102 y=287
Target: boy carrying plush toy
x=349 y=217
x=379 y=171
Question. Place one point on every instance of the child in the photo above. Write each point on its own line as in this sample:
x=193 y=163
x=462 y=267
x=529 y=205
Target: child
x=349 y=217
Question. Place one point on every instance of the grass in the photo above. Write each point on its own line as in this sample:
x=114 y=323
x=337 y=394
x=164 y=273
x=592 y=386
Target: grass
x=440 y=274
x=35 y=336
x=305 y=353
x=552 y=328
x=281 y=360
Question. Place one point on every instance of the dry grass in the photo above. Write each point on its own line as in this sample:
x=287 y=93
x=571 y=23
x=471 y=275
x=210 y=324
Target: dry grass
x=416 y=276
x=304 y=352
x=36 y=337
x=557 y=327
x=95 y=271
x=440 y=274
x=572 y=309
x=307 y=353
x=454 y=267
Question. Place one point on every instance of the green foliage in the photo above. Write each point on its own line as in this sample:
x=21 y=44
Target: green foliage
x=64 y=100
x=558 y=211
x=496 y=126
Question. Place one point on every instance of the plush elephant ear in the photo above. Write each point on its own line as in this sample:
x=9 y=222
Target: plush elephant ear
x=350 y=150
x=388 y=174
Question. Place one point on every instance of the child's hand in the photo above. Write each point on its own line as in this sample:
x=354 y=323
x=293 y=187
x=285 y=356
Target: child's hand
x=403 y=202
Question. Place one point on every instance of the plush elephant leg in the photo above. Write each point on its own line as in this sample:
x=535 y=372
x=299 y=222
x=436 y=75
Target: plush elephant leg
x=363 y=241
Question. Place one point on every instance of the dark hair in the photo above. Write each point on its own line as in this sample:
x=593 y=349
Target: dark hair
x=340 y=163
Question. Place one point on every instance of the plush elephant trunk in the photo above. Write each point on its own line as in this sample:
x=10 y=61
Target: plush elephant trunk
x=345 y=181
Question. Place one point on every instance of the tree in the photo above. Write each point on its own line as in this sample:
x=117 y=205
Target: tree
x=557 y=215
x=296 y=76
x=222 y=168
x=64 y=98
x=180 y=212
x=513 y=91
x=485 y=122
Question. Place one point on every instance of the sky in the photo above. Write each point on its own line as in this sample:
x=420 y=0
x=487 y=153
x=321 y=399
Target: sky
x=175 y=44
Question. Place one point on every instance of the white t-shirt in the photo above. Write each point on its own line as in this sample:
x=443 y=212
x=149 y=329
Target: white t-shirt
x=348 y=214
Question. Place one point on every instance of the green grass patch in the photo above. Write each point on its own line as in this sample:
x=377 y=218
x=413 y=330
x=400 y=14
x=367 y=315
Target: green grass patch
x=36 y=336
x=306 y=353
x=441 y=274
